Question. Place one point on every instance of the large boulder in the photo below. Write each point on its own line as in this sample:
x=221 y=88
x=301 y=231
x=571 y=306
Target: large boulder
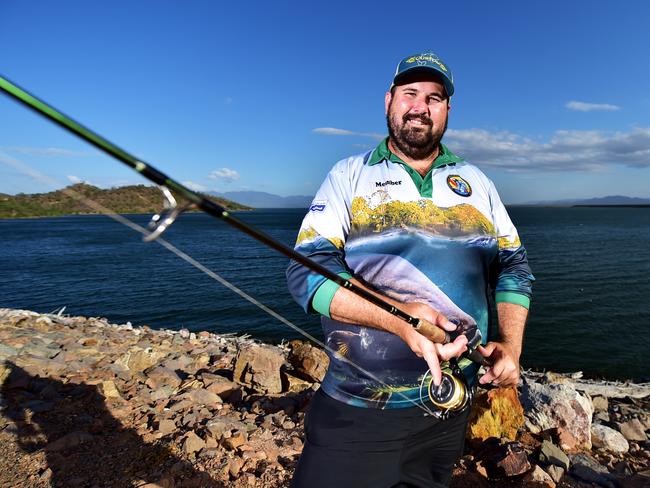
x=561 y=407
x=258 y=367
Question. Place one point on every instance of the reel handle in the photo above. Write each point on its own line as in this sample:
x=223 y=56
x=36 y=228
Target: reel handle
x=432 y=332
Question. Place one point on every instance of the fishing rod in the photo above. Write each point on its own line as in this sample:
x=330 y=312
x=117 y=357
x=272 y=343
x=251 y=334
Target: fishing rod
x=165 y=218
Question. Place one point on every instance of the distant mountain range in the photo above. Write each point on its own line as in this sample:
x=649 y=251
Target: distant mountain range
x=260 y=199
x=612 y=200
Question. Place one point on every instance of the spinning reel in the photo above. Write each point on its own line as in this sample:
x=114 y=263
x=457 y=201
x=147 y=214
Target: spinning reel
x=454 y=393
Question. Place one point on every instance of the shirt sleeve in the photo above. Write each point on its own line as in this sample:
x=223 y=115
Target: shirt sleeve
x=512 y=277
x=322 y=237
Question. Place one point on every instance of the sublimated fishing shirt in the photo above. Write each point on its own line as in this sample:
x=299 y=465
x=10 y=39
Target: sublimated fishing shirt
x=444 y=239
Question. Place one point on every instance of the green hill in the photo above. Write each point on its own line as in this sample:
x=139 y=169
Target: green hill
x=125 y=199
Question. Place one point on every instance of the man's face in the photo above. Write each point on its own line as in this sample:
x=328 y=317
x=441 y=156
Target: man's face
x=416 y=113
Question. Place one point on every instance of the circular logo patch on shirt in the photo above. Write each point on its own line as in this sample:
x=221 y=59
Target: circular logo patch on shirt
x=459 y=186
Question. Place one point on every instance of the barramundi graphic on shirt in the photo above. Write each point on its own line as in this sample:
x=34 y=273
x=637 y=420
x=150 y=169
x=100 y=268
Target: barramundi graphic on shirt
x=441 y=249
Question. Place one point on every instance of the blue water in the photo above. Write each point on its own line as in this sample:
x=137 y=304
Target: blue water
x=590 y=311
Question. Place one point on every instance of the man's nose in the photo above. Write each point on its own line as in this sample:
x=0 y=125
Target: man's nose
x=419 y=106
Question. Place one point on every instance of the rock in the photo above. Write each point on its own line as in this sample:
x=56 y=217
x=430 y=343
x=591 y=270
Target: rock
x=566 y=439
x=220 y=425
x=235 y=441
x=501 y=460
x=201 y=396
x=293 y=383
x=161 y=393
x=496 y=413
x=137 y=359
x=68 y=441
x=639 y=480
x=633 y=430
x=600 y=404
x=6 y=352
x=558 y=406
x=234 y=467
x=601 y=417
x=166 y=427
x=258 y=367
x=539 y=478
x=162 y=376
x=588 y=469
x=110 y=390
x=609 y=439
x=552 y=455
x=555 y=472
x=220 y=386
x=193 y=443
x=164 y=482
x=310 y=362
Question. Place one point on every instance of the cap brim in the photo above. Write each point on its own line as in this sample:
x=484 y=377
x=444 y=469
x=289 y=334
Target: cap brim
x=449 y=87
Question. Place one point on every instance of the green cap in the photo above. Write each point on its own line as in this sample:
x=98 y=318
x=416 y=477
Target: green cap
x=427 y=61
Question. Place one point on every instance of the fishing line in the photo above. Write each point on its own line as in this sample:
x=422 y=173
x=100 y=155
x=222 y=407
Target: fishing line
x=31 y=172
x=424 y=327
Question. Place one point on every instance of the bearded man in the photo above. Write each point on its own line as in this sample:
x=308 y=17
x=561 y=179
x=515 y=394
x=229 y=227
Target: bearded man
x=418 y=225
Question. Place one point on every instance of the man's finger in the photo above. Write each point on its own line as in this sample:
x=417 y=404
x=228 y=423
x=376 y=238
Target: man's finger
x=432 y=361
x=486 y=378
x=444 y=323
x=452 y=349
x=487 y=350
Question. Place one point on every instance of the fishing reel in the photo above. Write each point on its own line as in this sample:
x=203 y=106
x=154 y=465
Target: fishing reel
x=453 y=394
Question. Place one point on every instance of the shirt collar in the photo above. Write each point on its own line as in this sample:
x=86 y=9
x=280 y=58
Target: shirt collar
x=382 y=152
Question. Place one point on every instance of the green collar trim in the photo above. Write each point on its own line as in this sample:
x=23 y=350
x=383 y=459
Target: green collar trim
x=382 y=153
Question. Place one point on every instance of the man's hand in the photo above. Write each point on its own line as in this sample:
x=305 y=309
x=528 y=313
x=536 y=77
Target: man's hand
x=504 y=354
x=426 y=349
x=504 y=369
x=350 y=308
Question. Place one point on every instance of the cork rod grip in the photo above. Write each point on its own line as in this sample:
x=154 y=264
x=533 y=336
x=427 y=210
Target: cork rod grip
x=432 y=332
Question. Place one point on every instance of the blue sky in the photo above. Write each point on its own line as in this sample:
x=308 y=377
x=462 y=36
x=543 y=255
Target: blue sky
x=552 y=98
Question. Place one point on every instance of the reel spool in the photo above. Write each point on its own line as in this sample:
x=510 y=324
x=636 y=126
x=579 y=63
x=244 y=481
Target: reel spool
x=454 y=393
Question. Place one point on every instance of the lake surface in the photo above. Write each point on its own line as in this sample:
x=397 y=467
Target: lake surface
x=590 y=308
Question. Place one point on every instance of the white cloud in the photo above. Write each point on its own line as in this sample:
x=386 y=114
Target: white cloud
x=47 y=151
x=333 y=131
x=226 y=174
x=565 y=150
x=194 y=186
x=75 y=179
x=591 y=107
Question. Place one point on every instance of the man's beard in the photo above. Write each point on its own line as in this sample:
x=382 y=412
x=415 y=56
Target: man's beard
x=416 y=142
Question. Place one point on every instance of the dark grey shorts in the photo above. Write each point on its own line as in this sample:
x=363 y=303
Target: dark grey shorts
x=357 y=447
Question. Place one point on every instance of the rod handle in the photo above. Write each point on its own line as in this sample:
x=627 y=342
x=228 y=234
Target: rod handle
x=432 y=332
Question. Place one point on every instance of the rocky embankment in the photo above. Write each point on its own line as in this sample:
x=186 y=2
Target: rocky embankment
x=88 y=403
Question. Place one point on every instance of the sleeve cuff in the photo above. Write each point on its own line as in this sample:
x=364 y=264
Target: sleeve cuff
x=510 y=297
x=325 y=293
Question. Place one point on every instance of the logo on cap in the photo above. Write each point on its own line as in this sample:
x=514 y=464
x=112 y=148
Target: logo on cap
x=459 y=186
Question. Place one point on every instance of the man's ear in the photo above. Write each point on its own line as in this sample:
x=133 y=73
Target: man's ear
x=387 y=100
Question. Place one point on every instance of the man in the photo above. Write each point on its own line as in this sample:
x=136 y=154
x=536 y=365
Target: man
x=418 y=225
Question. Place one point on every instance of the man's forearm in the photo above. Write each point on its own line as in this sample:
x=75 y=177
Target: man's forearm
x=348 y=307
x=351 y=308
x=512 y=322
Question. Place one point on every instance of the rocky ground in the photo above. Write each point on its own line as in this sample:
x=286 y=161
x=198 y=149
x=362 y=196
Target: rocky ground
x=85 y=403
